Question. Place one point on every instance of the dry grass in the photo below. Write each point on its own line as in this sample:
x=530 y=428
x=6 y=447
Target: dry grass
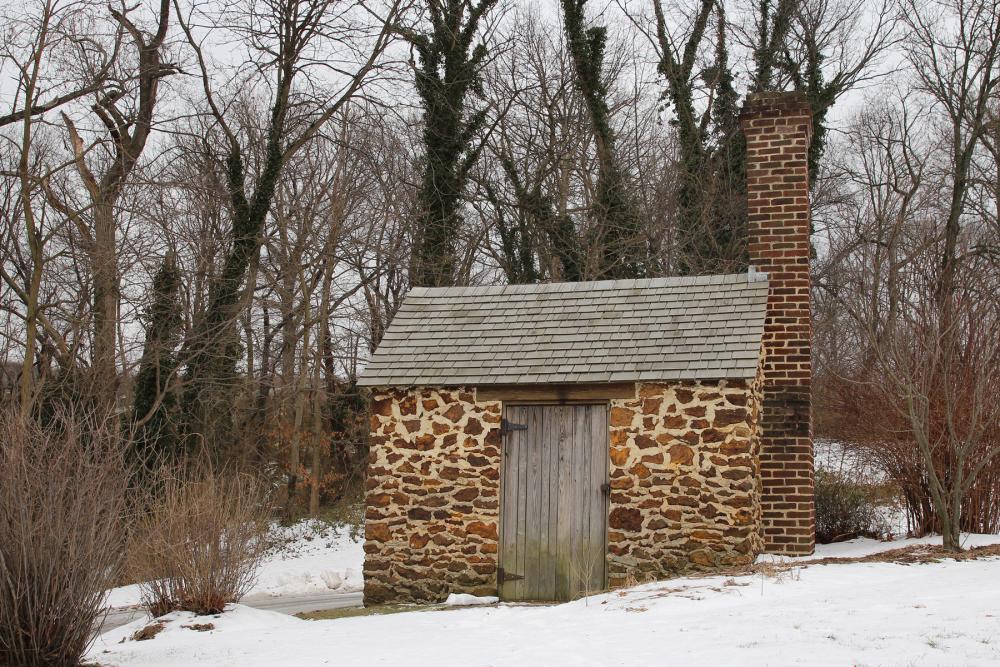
x=201 y=542
x=780 y=571
x=63 y=512
x=918 y=553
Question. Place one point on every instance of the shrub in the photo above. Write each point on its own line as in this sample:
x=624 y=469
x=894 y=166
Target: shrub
x=199 y=545
x=846 y=509
x=63 y=505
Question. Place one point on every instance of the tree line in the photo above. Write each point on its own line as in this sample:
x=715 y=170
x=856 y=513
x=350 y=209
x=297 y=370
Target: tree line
x=211 y=211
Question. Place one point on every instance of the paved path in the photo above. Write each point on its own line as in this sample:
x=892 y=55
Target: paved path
x=285 y=604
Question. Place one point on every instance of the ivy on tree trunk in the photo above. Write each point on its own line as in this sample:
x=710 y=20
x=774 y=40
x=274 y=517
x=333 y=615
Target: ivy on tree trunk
x=711 y=192
x=617 y=225
x=153 y=402
x=446 y=76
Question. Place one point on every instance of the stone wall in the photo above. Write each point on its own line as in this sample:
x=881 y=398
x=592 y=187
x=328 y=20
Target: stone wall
x=433 y=493
x=777 y=127
x=685 y=488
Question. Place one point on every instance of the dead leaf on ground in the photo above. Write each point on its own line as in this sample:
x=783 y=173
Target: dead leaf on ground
x=200 y=627
x=148 y=632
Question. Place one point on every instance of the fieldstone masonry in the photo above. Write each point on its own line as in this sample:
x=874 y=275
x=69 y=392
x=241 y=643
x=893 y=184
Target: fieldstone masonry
x=685 y=490
x=433 y=495
x=683 y=465
x=778 y=127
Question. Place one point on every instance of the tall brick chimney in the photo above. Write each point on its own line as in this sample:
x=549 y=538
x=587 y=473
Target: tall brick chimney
x=777 y=127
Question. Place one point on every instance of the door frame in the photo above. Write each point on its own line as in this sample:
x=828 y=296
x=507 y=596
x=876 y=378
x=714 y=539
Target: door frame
x=606 y=404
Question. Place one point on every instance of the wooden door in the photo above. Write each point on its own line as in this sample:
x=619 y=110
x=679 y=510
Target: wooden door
x=554 y=515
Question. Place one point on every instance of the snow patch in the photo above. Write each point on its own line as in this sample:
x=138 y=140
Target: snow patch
x=466 y=600
x=309 y=557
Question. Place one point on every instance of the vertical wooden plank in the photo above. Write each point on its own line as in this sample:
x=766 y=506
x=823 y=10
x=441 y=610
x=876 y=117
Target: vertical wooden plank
x=508 y=511
x=544 y=520
x=532 y=503
x=511 y=499
x=524 y=498
x=586 y=502
x=581 y=444
x=519 y=442
x=551 y=480
x=576 y=426
x=573 y=516
x=522 y=519
x=540 y=561
x=564 y=520
x=573 y=463
x=599 y=501
x=505 y=500
x=518 y=563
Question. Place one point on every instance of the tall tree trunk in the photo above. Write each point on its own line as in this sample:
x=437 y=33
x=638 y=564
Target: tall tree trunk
x=155 y=437
x=449 y=71
x=318 y=437
x=104 y=263
x=295 y=450
x=34 y=237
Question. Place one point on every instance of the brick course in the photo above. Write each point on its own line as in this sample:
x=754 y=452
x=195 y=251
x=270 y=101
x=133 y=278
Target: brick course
x=778 y=127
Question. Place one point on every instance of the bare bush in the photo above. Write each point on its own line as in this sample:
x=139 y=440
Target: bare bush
x=846 y=509
x=63 y=505
x=199 y=545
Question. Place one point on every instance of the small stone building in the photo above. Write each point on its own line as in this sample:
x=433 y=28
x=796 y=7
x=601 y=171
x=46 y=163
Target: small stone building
x=542 y=442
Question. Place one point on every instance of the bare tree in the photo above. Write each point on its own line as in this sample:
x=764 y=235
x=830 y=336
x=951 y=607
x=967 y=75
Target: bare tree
x=821 y=47
x=940 y=361
x=959 y=69
x=125 y=105
x=298 y=106
x=30 y=48
x=914 y=274
x=42 y=84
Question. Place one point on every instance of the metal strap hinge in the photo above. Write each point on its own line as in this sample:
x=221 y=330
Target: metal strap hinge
x=503 y=575
x=508 y=426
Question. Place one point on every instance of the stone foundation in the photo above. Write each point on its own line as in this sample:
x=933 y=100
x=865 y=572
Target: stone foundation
x=685 y=486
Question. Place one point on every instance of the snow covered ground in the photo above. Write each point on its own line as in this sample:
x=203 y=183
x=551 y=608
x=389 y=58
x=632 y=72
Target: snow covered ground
x=945 y=613
x=309 y=557
x=313 y=557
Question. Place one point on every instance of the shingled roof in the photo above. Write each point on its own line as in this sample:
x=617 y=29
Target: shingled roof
x=703 y=327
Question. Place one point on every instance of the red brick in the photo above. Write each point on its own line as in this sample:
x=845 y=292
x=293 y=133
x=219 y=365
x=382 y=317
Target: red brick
x=778 y=127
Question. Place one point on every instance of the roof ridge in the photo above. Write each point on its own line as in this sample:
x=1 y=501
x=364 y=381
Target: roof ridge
x=751 y=277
